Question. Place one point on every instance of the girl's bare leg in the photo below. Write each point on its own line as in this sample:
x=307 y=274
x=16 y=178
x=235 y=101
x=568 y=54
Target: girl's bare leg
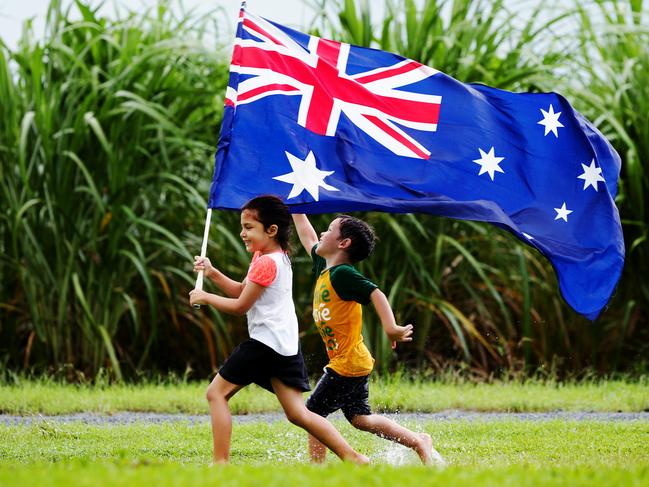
x=218 y=394
x=296 y=412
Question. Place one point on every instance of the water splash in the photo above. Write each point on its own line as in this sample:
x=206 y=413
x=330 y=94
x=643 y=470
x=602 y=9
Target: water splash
x=283 y=455
x=396 y=455
x=438 y=460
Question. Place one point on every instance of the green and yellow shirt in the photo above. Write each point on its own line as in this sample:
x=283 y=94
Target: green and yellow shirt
x=337 y=298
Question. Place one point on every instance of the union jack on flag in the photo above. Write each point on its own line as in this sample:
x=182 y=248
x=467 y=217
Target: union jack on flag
x=374 y=99
x=332 y=127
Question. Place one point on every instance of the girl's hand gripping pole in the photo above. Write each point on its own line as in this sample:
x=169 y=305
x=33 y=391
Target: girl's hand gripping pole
x=206 y=233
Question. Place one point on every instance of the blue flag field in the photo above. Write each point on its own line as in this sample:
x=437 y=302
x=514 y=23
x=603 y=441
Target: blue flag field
x=331 y=127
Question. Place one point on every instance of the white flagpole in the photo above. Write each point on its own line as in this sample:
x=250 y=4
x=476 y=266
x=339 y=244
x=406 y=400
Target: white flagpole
x=206 y=233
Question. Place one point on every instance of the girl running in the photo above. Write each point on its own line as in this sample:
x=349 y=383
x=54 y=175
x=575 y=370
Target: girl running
x=271 y=357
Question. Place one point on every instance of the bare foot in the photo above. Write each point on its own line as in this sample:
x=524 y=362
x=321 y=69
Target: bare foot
x=428 y=454
x=358 y=459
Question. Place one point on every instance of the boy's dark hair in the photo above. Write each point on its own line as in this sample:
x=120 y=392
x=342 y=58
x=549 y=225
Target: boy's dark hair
x=272 y=210
x=361 y=235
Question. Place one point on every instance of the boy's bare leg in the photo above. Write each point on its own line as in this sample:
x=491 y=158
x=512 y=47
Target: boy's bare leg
x=386 y=428
x=296 y=412
x=317 y=451
x=218 y=394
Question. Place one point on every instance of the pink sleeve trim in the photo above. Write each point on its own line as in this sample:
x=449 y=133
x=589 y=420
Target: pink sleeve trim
x=263 y=271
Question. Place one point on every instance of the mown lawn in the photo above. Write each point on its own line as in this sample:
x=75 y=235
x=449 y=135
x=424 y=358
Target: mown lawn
x=480 y=452
x=388 y=394
x=499 y=453
x=174 y=475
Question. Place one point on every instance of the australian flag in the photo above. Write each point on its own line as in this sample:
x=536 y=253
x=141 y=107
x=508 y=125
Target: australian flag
x=333 y=127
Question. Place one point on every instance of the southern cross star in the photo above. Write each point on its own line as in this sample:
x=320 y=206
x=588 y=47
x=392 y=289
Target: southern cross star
x=592 y=175
x=488 y=163
x=562 y=212
x=550 y=121
x=305 y=175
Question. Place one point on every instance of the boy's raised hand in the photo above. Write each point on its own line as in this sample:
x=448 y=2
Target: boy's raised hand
x=400 y=334
x=305 y=231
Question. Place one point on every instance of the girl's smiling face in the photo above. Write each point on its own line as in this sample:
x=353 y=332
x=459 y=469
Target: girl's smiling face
x=253 y=234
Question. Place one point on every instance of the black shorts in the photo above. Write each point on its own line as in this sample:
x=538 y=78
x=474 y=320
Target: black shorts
x=255 y=362
x=335 y=392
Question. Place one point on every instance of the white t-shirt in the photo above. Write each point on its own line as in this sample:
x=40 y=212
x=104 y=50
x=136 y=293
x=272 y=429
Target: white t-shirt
x=272 y=319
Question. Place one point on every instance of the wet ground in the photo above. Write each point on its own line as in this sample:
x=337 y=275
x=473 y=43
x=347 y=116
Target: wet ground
x=122 y=418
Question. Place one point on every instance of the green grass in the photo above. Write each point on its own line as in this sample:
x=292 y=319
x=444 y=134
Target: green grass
x=175 y=475
x=498 y=453
x=480 y=453
x=387 y=394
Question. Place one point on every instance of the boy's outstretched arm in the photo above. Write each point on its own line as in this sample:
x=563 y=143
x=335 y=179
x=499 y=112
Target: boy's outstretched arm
x=308 y=236
x=394 y=332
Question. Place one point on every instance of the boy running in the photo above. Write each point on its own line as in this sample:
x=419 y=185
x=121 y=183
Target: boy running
x=339 y=292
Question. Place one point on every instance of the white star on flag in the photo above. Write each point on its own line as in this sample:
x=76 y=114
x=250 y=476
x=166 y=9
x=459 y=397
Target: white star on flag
x=592 y=175
x=550 y=121
x=562 y=212
x=305 y=175
x=489 y=163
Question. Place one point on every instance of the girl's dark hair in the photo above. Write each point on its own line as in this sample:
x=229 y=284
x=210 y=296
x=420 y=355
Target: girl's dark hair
x=360 y=233
x=272 y=211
